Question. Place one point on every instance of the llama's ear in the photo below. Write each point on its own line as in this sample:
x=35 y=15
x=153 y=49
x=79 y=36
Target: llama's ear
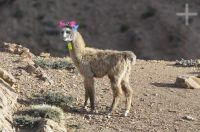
x=75 y=28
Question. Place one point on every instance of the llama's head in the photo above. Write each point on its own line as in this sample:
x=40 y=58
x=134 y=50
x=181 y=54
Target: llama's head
x=68 y=29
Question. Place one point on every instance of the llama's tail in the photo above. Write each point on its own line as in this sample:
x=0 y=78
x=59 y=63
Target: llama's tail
x=129 y=55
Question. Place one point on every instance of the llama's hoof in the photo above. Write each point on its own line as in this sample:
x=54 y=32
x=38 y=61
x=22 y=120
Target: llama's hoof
x=108 y=114
x=126 y=113
x=92 y=111
x=84 y=108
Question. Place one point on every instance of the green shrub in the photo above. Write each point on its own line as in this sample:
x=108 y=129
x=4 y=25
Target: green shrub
x=45 y=111
x=31 y=116
x=54 y=64
x=57 y=99
x=40 y=62
x=150 y=11
x=25 y=121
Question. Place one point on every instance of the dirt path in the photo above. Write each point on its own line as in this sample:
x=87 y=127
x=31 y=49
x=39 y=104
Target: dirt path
x=158 y=106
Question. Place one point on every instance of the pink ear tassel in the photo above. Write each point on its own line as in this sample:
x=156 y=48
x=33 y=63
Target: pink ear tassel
x=72 y=23
x=61 y=23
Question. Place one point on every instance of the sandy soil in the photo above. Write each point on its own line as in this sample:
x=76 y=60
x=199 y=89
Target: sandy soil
x=158 y=106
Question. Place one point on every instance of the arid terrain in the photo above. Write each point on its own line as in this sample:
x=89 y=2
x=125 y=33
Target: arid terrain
x=150 y=29
x=158 y=105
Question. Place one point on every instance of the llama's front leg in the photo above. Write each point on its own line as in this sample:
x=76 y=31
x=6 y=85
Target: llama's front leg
x=90 y=92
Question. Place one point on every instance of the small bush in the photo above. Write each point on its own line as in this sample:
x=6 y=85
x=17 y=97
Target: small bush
x=45 y=111
x=31 y=116
x=58 y=64
x=150 y=11
x=57 y=99
x=25 y=121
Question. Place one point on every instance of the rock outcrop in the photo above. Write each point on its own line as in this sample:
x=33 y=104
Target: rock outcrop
x=8 y=99
x=18 y=49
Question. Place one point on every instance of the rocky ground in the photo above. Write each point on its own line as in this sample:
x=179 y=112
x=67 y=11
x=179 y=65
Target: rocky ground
x=158 y=105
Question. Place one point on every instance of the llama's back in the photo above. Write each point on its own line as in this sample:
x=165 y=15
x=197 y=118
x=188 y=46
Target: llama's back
x=104 y=61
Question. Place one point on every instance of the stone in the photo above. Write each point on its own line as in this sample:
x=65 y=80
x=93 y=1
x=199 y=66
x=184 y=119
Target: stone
x=190 y=82
x=7 y=77
x=45 y=55
x=31 y=69
x=189 y=118
x=47 y=125
x=88 y=117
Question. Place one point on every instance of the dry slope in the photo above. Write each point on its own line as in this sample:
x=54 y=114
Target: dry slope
x=157 y=104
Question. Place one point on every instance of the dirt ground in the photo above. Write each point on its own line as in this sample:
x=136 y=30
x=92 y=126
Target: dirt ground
x=158 y=106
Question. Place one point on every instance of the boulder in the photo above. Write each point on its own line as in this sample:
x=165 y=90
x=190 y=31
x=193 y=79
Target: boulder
x=186 y=81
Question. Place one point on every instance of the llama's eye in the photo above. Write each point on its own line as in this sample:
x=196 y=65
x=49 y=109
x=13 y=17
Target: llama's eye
x=68 y=32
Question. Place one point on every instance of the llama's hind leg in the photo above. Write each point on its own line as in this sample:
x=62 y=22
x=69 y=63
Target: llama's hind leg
x=128 y=93
x=89 y=92
x=117 y=92
x=86 y=98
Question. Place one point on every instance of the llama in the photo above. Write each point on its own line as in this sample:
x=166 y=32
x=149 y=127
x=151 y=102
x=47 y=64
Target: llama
x=95 y=63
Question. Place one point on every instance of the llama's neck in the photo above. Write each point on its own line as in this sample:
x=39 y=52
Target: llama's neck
x=78 y=48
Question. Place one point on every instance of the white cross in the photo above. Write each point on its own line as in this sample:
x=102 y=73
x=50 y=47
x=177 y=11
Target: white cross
x=186 y=14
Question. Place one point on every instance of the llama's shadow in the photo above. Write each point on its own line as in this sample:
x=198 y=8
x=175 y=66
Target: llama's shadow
x=72 y=108
x=67 y=108
x=81 y=111
x=166 y=85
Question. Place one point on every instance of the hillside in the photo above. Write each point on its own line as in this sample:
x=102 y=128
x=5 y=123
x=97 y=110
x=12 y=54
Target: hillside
x=157 y=104
x=150 y=28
